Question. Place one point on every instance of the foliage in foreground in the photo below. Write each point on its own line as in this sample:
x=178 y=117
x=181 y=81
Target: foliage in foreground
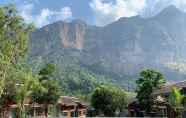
x=17 y=82
x=176 y=100
x=108 y=100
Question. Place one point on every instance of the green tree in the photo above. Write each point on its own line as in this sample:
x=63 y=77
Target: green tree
x=149 y=80
x=176 y=99
x=8 y=95
x=18 y=87
x=51 y=93
x=108 y=100
x=120 y=100
x=26 y=84
x=14 y=35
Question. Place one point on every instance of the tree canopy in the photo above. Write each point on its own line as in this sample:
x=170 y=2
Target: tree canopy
x=148 y=81
x=51 y=92
x=107 y=100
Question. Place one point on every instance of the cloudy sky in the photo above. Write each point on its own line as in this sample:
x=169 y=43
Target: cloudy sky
x=96 y=12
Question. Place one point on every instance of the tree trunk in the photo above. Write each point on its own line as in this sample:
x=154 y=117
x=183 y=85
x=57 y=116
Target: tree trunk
x=34 y=114
x=46 y=110
x=6 y=112
x=21 y=111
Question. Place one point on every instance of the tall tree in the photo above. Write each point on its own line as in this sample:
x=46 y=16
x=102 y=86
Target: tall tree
x=14 y=35
x=52 y=91
x=148 y=81
x=26 y=84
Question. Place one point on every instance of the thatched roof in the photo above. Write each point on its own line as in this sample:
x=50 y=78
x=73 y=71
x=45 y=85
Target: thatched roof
x=71 y=101
x=167 y=88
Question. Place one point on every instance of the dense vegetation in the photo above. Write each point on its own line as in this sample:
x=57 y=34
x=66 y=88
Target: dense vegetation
x=78 y=80
x=17 y=82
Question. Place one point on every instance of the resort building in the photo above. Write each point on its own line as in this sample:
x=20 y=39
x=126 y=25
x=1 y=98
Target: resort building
x=160 y=100
x=66 y=107
x=160 y=106
x=72 y=107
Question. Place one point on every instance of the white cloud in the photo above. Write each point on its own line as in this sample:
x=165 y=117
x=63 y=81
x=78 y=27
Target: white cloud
x=46 y=15
x=65 y=13
x=25 y=12
x=43 y=17
x=181 y=4
x=106 y=12
x=176 y=66
x=155 y=6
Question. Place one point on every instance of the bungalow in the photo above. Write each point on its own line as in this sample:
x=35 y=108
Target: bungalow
x=160 y=99
x=66 y=107
x=160 y=106
x=72 y=107
x=165 y=90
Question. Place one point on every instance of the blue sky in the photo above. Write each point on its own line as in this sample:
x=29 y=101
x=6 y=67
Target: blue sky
x=96 y=12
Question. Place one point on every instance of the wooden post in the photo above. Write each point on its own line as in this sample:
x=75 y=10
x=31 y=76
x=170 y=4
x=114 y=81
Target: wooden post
x=68 y=114
x=34 y=114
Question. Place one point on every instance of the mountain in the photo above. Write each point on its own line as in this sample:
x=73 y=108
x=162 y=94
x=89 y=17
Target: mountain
x=119 y=50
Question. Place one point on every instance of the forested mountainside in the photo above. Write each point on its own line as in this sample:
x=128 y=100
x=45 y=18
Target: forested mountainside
x=86 y=55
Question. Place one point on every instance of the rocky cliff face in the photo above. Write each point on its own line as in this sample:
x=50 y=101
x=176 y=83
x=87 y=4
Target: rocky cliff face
x=69 y=41
x=123 y=47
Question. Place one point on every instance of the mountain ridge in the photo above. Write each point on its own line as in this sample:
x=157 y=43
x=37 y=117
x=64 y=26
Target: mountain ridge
x=121 y=48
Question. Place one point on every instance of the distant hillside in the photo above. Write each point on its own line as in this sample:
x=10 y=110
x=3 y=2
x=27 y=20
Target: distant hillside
x=119 y=50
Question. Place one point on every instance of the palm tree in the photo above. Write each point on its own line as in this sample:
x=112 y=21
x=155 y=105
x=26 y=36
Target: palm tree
x=26 y=86
x=176 y=99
